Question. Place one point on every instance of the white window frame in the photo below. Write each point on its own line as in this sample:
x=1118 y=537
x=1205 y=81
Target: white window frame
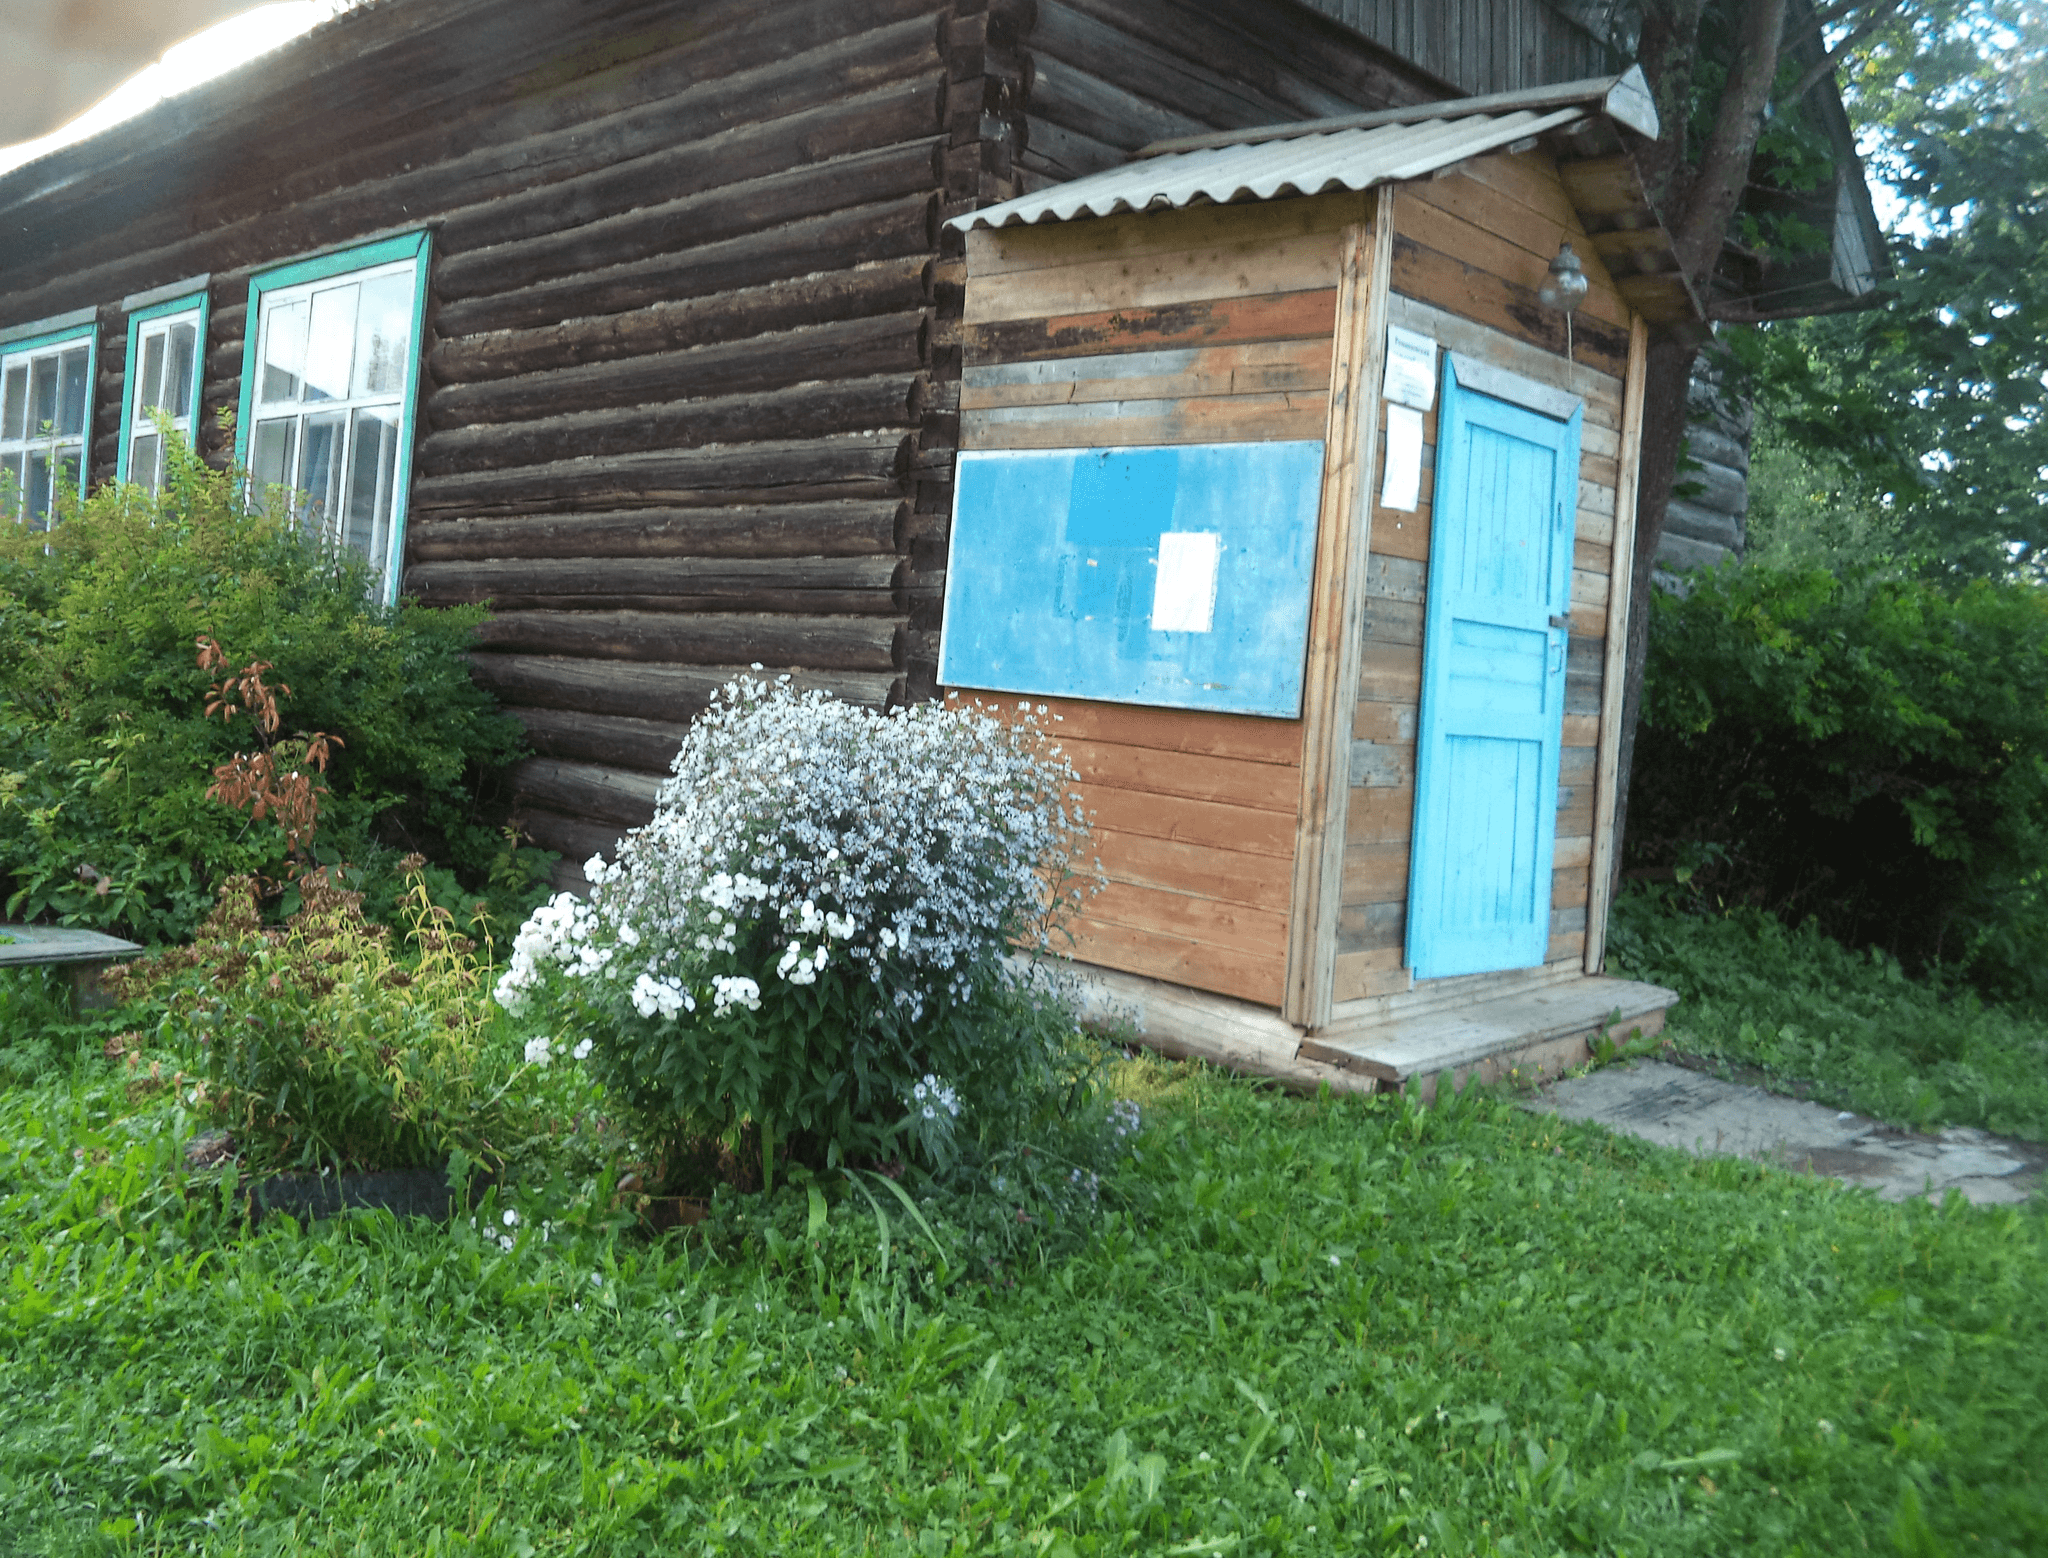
x=152 y=316
x=21 y=348
x=278 y=289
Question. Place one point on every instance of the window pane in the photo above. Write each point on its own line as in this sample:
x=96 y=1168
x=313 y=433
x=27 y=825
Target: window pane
x=373 y=466
x=330 y=348
x=178 y=373
x=152 y=392
x=42 y=400
x=10 y=486
x=64 y=496
x=142 y=460
x=16 y=407
x=320 y=470
x=384 y=335
x=38 y=489
x=284 y=351
x=71 y=406
x=270 y=456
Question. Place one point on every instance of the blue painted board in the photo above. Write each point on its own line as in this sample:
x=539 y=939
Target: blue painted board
x=1177 y=576
x=1492 y=714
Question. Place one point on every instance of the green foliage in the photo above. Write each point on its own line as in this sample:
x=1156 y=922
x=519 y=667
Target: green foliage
x=812 y=940
x=318 y=1047
x=1336 y=1327
x=1871 y=752
x=1928 y=414
x=105 y=749
x=1850 y=1028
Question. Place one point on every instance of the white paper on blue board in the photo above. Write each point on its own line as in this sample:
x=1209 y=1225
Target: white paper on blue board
x=1402 y=487
x=1184 y=592
x=1411 y=368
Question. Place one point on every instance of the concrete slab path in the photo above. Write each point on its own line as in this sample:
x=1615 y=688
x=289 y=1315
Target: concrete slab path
x=1674 y=1107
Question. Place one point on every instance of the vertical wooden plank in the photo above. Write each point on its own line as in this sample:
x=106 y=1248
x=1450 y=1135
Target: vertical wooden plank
x=1615 y=671
x=1351 y=456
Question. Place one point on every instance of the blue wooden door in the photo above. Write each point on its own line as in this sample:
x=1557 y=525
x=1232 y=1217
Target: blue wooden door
x=1495 y=631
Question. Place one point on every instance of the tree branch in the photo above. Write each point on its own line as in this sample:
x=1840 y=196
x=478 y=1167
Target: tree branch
x=1824 y=67
x=1717 y=187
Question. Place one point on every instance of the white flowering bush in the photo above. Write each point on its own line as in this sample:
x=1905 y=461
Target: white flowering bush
x=811 y=937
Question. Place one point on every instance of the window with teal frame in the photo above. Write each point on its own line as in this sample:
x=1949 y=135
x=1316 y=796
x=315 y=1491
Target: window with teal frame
x=166 y=360
x=330 y=376
x=46 y=373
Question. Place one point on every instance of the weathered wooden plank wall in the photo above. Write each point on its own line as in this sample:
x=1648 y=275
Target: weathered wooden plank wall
x=1479 y=46
x=1211 y=325
x=1470 y=250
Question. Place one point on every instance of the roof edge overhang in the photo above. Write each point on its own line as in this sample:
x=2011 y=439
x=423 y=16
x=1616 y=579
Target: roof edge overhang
x=1592 y=128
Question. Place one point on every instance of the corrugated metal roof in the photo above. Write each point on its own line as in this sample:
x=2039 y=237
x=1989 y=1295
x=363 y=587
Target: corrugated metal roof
x=1306 y=164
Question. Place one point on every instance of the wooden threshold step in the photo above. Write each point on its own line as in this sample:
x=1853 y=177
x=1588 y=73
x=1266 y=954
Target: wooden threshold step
x=1551 y=1027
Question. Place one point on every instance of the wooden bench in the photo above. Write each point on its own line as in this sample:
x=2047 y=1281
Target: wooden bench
x=84 y=954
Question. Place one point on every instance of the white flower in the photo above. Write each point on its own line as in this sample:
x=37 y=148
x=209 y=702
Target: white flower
x=581 y=1051
x=537 y=1052
x=510 y=1219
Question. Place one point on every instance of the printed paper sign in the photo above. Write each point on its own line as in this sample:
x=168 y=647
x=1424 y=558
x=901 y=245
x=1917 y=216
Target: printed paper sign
x=1411 y=368
x=1402 y=488
x=1184 y=593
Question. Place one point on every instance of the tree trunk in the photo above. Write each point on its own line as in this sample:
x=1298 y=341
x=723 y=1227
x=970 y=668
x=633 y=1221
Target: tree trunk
x=1699 y=202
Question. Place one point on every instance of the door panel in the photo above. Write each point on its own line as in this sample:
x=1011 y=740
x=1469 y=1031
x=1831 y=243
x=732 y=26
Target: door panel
x=1492 y=713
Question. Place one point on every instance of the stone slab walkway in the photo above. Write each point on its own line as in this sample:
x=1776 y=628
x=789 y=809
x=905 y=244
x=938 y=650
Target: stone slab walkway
x=1674 y=1107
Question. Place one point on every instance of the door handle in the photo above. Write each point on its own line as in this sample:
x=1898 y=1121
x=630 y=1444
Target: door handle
x=1562 y=624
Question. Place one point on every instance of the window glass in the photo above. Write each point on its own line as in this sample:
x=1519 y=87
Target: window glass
x=284 y=350
x=328 y=420
x=163 y=390
x=45 y=401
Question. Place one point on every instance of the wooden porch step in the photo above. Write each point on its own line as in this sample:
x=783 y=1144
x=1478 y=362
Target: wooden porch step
x=1541 y=1030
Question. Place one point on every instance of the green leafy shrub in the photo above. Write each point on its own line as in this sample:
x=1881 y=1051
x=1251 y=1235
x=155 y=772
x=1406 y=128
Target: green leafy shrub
x=1847 y=1026
x=1870 y=752
x=106 y=752
x=317 y=1045
x=810 y=940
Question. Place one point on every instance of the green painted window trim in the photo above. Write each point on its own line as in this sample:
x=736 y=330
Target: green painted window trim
x=87 y=329
x=417 y=247
x=136 y=320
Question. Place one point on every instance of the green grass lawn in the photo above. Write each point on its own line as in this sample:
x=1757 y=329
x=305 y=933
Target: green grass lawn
x=1846 y=1027
x=1334 y=1327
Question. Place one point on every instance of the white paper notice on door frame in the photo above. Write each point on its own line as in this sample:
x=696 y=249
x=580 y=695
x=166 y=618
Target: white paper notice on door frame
x=1184 y=593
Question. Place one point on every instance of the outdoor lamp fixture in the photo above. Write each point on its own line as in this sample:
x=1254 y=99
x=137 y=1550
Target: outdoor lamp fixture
x=1564 y=289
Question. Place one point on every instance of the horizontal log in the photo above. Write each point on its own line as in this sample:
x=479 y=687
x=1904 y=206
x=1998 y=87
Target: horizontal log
x=574 y=839
x=817 y=586
x=679 y=166
x=611 y=740
x=852 y=348
x=850 y=465
x=586 y=791
x=672 y=692
x=224 y=358
x=842 y=235
x=759 y=530
x=881 y=287
x=821 y=643
x=747 y=207
x=855 y=405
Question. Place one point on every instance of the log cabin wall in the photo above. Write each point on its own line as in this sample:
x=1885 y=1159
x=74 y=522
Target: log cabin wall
x=679 y=399
x=1211 y=325
x=1470 y=250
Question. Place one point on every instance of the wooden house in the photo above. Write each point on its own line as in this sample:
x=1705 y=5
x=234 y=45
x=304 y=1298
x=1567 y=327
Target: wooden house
x=645 y=322
x=1281 y=492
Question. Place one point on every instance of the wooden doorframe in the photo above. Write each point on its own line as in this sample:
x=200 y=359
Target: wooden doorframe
x=1336 y=620
x=1613 y=673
